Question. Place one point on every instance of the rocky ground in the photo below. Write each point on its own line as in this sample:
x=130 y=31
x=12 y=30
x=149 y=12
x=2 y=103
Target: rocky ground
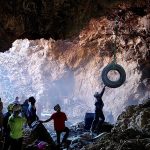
x=83 y=59
x=130 y=132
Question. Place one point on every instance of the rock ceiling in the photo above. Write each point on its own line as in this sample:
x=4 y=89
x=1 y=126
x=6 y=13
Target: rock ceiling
x=58 y=19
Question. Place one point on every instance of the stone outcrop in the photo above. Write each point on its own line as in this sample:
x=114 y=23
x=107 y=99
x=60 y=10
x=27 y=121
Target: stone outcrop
x=131 y=131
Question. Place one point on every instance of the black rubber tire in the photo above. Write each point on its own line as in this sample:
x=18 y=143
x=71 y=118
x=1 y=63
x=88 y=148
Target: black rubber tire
x=107 y=81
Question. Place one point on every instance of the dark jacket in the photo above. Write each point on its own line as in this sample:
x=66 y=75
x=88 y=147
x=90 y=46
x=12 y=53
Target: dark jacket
x=5 y=123
x=99 y=103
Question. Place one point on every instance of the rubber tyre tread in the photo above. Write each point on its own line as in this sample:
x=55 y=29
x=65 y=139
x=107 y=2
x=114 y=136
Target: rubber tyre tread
x=113 y=84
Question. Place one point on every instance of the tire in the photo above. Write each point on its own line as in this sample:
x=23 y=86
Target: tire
x=107 y=81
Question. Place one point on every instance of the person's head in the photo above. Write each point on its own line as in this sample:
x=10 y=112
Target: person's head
x=16 y=109
x=16 y=101
x=32 y=100
x=96 y=95
x=10 y=108
x=26 y=101
x=57 y=108
x=17 y=98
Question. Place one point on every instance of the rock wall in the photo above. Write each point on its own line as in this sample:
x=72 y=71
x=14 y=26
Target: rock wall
x=58 y=19
x=70 y=70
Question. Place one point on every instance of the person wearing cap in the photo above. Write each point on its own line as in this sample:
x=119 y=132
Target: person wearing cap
x=6 y=131
x=16 y=123
x=99 y=117
x=59 y=118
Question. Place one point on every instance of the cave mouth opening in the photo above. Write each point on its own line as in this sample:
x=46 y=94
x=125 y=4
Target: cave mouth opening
x=25 y=72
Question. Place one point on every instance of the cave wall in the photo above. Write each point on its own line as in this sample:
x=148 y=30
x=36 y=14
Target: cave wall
x=45 y=64
x=71 y=69
x=58 y=19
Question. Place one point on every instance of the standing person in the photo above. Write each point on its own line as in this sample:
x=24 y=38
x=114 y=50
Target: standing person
x=6 y=127
x=31 y=111
x=1 y=123
x=1 y=105
x=99 y=117
x=1 y=114
x=25 y=106
x=16 y=123
x=59 y=124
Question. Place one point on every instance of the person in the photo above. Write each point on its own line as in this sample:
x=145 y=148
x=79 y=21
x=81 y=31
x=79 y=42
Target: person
x=16 y=123
x=31 y=111
x=99 y=117
x=1 y=123
x=1 y=114
x=16 y=101
x=25 y=106
x=59 y=118
x=1 y=105
x=6 y=131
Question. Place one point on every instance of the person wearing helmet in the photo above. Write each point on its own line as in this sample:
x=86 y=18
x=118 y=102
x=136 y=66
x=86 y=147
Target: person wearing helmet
x=10 y=107
x=6 y=130
x=99 y=117
x=59 y=118
x=16 y=123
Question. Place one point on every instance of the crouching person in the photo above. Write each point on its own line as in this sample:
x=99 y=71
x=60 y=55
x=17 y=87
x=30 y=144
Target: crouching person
x=59 y=124
x=16 y=123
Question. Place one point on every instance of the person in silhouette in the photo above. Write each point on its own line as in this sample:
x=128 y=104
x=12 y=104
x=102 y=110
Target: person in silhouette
x=1 y=123
x=6 y=131
x=99 y=117
x=31 y=111
x=1 y=115
x=25 y=106
x=59 y=124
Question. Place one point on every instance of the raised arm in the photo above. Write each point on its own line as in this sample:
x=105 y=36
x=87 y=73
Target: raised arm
x=102 y=92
